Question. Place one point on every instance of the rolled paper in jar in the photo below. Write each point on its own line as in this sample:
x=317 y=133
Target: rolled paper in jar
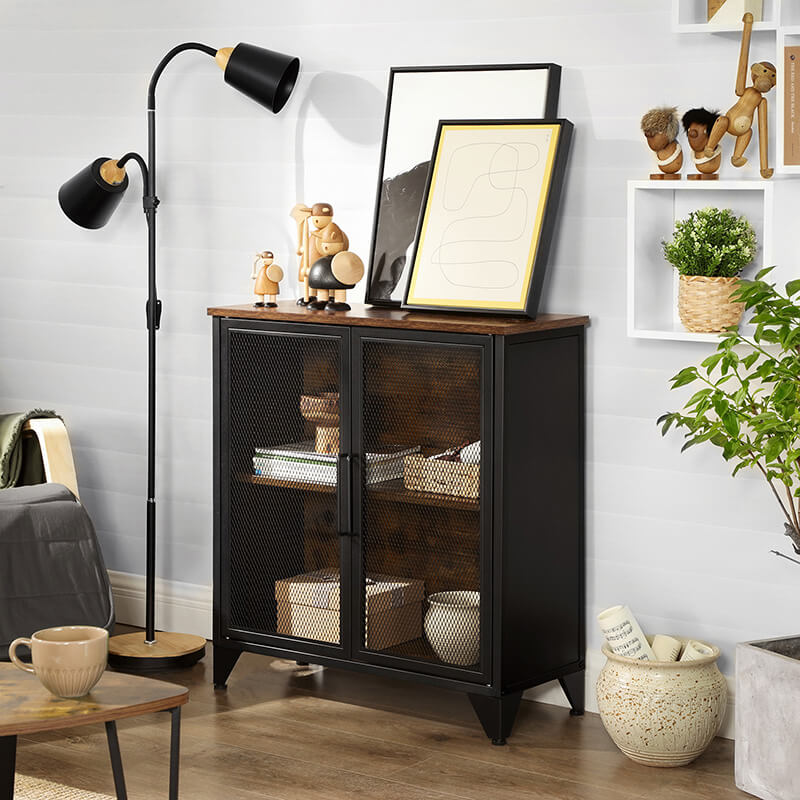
x=623 y=634
x=666 y=648
x=695 y=650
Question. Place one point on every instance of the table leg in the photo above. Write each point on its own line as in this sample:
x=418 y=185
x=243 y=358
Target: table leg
x=174 y=752
x=116 y=760
x=8 y=758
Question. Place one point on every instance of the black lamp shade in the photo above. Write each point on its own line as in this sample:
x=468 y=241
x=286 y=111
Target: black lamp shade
x=263 y=75
x=87 y=199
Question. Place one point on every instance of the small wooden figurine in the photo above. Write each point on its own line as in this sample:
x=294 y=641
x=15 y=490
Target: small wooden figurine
x=335 y=272
x=698 y=123
x=321 y=216
x=660 y=127
x=267 y=275
x=738 y=121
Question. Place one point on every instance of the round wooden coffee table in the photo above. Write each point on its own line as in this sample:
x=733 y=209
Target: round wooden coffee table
x=27 y=707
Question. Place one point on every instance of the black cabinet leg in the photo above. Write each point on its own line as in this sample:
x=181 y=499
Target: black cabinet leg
x=174 y=752
x=496 y=714
x=116 y=760
x=225 y=660
x=8 y=760
x=574 y=688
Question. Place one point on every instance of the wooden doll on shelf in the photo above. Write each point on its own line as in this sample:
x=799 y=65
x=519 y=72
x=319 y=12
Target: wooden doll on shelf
x=320 y=215
x=335 y=272
x=660 y=127
x=698 y=123
x=267 y=275
x=738 y=120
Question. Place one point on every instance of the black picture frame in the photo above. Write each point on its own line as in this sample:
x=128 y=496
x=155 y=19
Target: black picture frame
x=393 y=233
x=552 y=191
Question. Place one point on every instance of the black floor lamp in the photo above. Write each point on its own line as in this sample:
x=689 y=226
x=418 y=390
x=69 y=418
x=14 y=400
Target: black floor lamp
x=89 y=199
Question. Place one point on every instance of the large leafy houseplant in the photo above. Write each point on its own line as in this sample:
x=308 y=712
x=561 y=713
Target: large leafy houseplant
x=748 y=400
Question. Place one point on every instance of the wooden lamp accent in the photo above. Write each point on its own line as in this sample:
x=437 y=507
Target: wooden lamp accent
x=89 y=199
x=112 y=173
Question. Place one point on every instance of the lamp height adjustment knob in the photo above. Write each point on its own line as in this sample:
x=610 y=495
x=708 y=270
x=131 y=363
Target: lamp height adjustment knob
x=158 y=313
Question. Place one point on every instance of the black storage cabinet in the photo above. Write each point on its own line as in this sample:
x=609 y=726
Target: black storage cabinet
x=500 y=544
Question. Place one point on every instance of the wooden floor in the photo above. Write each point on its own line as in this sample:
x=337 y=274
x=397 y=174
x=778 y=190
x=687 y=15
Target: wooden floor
x=282 y=731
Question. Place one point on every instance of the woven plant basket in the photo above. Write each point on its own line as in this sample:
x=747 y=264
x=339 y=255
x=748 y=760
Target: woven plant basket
x=704 y=304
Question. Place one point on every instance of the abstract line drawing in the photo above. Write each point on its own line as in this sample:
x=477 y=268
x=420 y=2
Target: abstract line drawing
x=462 y=253
x=487 y=217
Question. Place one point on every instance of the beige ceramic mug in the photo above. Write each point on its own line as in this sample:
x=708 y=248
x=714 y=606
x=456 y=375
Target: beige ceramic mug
x=68 y=661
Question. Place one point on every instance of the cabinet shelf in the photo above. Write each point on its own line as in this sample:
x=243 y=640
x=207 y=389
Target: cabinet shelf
x=395 y=491
x=391 y=491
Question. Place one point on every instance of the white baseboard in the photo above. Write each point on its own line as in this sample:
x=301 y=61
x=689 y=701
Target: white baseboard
x=187 y=607
x=551 y=692
x=183 y=607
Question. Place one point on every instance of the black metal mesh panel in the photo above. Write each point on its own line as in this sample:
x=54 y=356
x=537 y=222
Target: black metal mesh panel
x=421 y=530
x=284 y=441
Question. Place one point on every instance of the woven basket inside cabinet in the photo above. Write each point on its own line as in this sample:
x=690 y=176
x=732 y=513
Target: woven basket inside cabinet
x=704 y=304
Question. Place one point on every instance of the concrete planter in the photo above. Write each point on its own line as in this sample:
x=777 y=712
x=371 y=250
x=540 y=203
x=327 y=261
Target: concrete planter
x=768 y=718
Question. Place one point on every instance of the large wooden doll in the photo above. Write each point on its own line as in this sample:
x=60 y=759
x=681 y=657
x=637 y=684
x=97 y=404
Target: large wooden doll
x=267 y=275
x=320 y=215
x=738 y=120
x=660 y=128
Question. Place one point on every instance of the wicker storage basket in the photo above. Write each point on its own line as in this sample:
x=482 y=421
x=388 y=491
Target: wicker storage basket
x=704 y=304
x=442 y=477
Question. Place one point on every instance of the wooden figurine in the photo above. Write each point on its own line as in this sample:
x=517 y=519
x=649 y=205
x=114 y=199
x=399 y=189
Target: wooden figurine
x=267 y=275
x=321 y=216
x=698 y=123
x=335 y=272
x=660 y=127
x=300 y=214
x=738 y=121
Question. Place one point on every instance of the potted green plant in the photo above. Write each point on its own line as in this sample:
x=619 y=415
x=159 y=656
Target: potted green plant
x=748 y=405
x=710 y=248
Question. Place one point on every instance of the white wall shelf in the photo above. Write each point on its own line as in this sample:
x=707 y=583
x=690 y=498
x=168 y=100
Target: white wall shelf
x=781 y=17
x=690 y=16
x=653 y=208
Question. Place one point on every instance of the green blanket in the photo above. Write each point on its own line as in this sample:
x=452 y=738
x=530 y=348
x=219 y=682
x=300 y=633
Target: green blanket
x=20 y=460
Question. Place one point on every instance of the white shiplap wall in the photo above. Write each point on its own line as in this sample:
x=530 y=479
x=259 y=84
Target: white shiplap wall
x=673 y=536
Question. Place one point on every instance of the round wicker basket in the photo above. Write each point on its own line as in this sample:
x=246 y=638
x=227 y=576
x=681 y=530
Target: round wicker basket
x=704 y=304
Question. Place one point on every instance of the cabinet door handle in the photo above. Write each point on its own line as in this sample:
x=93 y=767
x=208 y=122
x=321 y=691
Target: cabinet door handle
x=344 y=490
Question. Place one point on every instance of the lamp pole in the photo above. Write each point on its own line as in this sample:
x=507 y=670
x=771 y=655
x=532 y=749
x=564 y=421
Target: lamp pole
x=89 y=199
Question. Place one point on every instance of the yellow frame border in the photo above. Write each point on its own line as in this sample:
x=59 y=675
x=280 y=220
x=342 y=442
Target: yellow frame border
x=511 y=305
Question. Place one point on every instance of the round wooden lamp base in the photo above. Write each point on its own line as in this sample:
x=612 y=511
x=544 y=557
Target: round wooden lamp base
x=129 y=651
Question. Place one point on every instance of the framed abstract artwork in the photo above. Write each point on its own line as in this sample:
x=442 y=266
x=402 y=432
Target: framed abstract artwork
x=489 y=213
x=418 y=97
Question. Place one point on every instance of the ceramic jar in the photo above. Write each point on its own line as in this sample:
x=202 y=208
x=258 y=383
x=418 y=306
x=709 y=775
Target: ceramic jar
x=453 y=626
x=661 y=713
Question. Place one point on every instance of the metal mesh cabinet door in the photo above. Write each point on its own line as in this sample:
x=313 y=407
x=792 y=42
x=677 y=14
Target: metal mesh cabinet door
x=284 y=423
x=423 y=433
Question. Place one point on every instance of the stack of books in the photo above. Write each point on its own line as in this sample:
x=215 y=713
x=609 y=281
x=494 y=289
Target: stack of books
x=301 y=463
